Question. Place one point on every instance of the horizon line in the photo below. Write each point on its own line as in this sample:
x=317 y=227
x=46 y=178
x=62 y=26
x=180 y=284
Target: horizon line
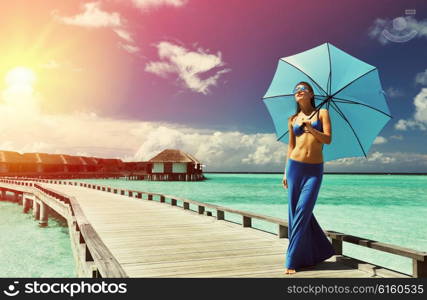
x=335 y=173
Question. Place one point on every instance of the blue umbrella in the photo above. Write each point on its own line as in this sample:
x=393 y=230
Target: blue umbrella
x=347 y=87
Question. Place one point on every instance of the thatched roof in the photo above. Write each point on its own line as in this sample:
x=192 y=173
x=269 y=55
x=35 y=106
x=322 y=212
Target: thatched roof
x=72 y=160
x=51 y=159
x=109 y=161
x=174 y=155
x=31 y=158
x=89 y=161
x=43 y=158
x=10 y=157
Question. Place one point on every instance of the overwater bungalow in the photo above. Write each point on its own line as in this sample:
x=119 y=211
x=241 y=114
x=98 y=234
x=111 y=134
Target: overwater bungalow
x=10 y=162
x=42 y=164
x=173 y=164
x=90 y=164
x=136 y=170
x=31 y=163
x=73 y=164
x=170 y=164
x=110 y=165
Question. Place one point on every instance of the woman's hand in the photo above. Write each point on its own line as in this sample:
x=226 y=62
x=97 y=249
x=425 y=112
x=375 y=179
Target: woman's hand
x=307 y=123
x=285 y=182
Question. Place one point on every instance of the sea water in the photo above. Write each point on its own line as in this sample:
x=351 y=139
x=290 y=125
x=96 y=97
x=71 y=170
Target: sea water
x=387 y=208
x=26 y=250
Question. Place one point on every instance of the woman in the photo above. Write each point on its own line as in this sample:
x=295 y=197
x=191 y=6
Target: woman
x=308 y=245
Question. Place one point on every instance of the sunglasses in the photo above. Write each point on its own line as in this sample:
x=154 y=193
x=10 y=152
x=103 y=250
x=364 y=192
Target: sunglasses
x=301 y=88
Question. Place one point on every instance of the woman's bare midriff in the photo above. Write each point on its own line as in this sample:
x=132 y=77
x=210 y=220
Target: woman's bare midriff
x=307 y=149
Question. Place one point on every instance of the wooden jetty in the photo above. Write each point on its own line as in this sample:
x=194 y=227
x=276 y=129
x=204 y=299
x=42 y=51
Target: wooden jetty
x=125 y=233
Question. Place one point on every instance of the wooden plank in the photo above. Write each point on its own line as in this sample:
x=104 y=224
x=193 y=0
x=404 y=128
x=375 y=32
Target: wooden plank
x=211 y=265
x=107 y=264
x=156 y=257
x=279 y=273
x=162 y=249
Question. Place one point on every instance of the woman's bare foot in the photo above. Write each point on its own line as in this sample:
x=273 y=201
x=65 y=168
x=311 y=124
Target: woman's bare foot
x=290 y=271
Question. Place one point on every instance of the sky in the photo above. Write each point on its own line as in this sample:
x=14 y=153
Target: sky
x=129 y=78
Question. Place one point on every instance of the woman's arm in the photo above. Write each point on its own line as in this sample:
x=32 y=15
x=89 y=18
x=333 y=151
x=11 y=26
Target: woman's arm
x=291 y=144
x=324 y=137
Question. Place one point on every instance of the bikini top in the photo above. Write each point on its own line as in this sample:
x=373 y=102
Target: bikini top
x=316 y=124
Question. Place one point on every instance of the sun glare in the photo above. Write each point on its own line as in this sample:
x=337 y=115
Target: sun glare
x=19 y=92
x=20 y=76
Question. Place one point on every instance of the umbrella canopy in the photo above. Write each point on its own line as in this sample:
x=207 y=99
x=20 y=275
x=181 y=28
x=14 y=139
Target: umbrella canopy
x=347 y=87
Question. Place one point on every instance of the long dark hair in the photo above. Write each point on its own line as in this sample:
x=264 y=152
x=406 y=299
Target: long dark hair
x=297 y=107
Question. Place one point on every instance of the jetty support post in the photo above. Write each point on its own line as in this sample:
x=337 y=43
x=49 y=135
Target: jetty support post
x=15 y=197
x=419 y=268
x=337 y=241
x=3 y=194
x=220 y=214
x=19 y=198
x=44 y=214
x=247 y=221
x=36 y=209
x=283 y=231
x=26 y=204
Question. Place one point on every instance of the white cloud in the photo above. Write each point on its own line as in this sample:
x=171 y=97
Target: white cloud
x=421 y=78
x=123 y=34
x=380 y=140
x=419 y=119
x=138 y=140
x=393 y=92
x=373 y=157
x=381 y=162
x=419 y=26
x=129 y=48
x=409 y=124
x=146 y=4
x=127 y=37
x=376 y=30
x=397 y=137
x=161 y=68
x=190 y=66
x=218 y=150
x=420 y=103
x=92 y=16
x=380 y=157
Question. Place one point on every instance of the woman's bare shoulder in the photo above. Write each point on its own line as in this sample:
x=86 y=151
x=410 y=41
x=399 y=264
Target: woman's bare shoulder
x=324 y=112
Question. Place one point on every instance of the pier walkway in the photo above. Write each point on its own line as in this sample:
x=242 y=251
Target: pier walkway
x=118 y=233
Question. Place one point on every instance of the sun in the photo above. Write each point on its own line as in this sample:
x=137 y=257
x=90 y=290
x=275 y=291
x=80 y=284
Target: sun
x=20 y=77
x=19 y=92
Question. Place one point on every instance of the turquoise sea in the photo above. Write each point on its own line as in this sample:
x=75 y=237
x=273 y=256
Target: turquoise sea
x=26 y=250
x=387 y=208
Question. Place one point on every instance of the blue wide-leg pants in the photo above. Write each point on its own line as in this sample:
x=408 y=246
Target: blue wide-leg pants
x=308 y=244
